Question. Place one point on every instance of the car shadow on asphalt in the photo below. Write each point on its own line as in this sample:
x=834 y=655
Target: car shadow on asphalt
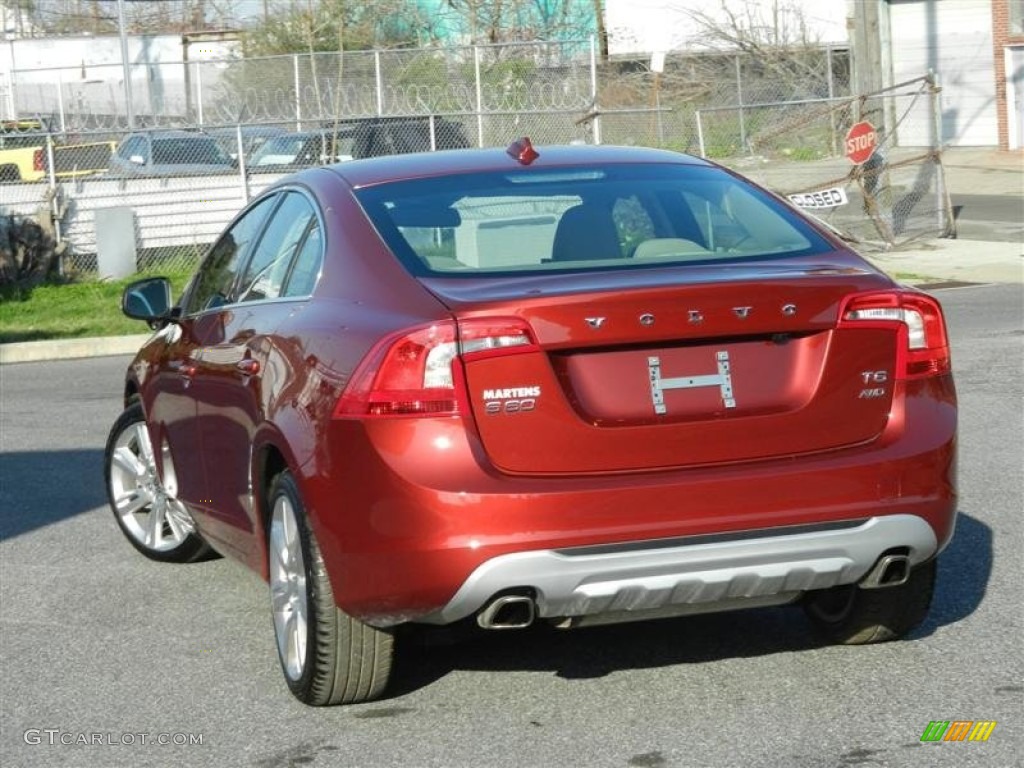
x=427 y=655
x=39 y=488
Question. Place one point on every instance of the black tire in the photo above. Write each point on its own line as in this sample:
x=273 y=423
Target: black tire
x=342 y=660
x=850 y=615
x=159 y=528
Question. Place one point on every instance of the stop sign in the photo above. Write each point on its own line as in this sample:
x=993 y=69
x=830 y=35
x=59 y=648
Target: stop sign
x=861 y=141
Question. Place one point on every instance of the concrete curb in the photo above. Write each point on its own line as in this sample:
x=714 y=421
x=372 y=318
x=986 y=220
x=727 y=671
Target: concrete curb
x=68 y=349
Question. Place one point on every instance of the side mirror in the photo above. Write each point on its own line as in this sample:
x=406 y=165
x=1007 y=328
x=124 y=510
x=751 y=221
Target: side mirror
x=137 y=160
x=148 y=299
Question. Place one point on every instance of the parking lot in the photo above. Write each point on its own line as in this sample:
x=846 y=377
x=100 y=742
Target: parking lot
x=106 y=655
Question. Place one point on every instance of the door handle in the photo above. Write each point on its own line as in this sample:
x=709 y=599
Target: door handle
x=248 y=366
x=183 y=368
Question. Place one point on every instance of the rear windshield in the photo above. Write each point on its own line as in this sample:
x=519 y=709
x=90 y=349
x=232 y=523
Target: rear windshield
x=613 y=217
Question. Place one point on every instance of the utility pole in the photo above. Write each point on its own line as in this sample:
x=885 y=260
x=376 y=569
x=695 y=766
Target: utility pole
x=868 y=30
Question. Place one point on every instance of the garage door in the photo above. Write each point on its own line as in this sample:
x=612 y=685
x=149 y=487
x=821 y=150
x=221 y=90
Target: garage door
x=953 y=38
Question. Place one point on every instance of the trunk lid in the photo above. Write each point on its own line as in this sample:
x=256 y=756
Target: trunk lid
x=638 y=372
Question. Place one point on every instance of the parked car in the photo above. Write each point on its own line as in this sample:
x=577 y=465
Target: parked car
x=357 y=139
x=24 y=155
x=301 y=149
x=253 y=137
x=572 y=385
x=402 y=135
x=169 y=153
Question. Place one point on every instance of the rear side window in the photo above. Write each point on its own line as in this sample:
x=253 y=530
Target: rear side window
x=213 y=284
x=268 y=268
x=306 y=270
x=616 y=217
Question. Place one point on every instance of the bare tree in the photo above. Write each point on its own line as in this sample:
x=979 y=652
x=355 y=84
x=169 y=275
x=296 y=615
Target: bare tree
x=774 y=34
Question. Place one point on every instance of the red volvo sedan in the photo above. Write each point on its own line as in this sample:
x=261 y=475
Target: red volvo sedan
x=573 y=385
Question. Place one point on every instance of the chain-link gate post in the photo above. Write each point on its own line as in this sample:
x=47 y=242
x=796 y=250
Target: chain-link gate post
x=946 y=220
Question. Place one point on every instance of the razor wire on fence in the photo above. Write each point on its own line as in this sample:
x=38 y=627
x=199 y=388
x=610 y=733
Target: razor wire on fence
x=210 y=134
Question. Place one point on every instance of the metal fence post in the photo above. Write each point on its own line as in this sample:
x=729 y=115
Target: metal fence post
x=378 y=78
x=433 y=133
x=946 y=220
x=298 y=93
x=126 y=67
x=199 y=93
x=593 y=90
x=831 y=95
x=739 y=101
x=54 y=203
x=479 y=98
x=700 y=134
x=60 y=101
x=243 y=176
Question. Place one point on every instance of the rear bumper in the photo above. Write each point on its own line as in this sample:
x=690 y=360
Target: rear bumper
x=693 y=571
x=410 y=518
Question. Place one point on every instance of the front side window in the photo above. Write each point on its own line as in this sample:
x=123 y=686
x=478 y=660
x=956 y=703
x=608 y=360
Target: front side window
x=213 y=284
x=614 y=217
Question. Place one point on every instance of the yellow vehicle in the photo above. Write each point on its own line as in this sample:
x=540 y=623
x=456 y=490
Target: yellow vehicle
x=23 y=154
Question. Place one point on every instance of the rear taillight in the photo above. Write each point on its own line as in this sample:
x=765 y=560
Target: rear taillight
x=417 y=372
x=923 y=345
x=37 y=161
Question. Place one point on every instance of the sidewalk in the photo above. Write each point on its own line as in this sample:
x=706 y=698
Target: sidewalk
x=983 y=171
x=968 y=261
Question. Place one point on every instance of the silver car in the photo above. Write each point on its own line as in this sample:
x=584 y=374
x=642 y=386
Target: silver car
x=169 y=153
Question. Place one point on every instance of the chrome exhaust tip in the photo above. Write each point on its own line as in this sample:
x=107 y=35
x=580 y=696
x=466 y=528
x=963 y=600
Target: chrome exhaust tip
x=508 y=612
x=889 y=571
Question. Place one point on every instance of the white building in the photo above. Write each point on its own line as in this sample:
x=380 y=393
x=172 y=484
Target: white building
x=56 y=75
x=645 y=26
x=975 y=47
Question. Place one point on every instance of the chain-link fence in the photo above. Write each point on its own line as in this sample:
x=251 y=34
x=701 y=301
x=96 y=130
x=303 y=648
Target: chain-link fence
x=869 y=165
x=208 y=135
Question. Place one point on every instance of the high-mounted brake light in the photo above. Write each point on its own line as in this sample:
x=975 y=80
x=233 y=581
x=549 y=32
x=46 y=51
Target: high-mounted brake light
x=522 y=150
x=417 y=372
x=923 y=348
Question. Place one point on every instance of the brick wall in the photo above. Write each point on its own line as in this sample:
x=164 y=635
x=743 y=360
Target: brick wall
x=1001 y=39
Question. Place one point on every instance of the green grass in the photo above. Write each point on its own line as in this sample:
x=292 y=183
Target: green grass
x=71 y=310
